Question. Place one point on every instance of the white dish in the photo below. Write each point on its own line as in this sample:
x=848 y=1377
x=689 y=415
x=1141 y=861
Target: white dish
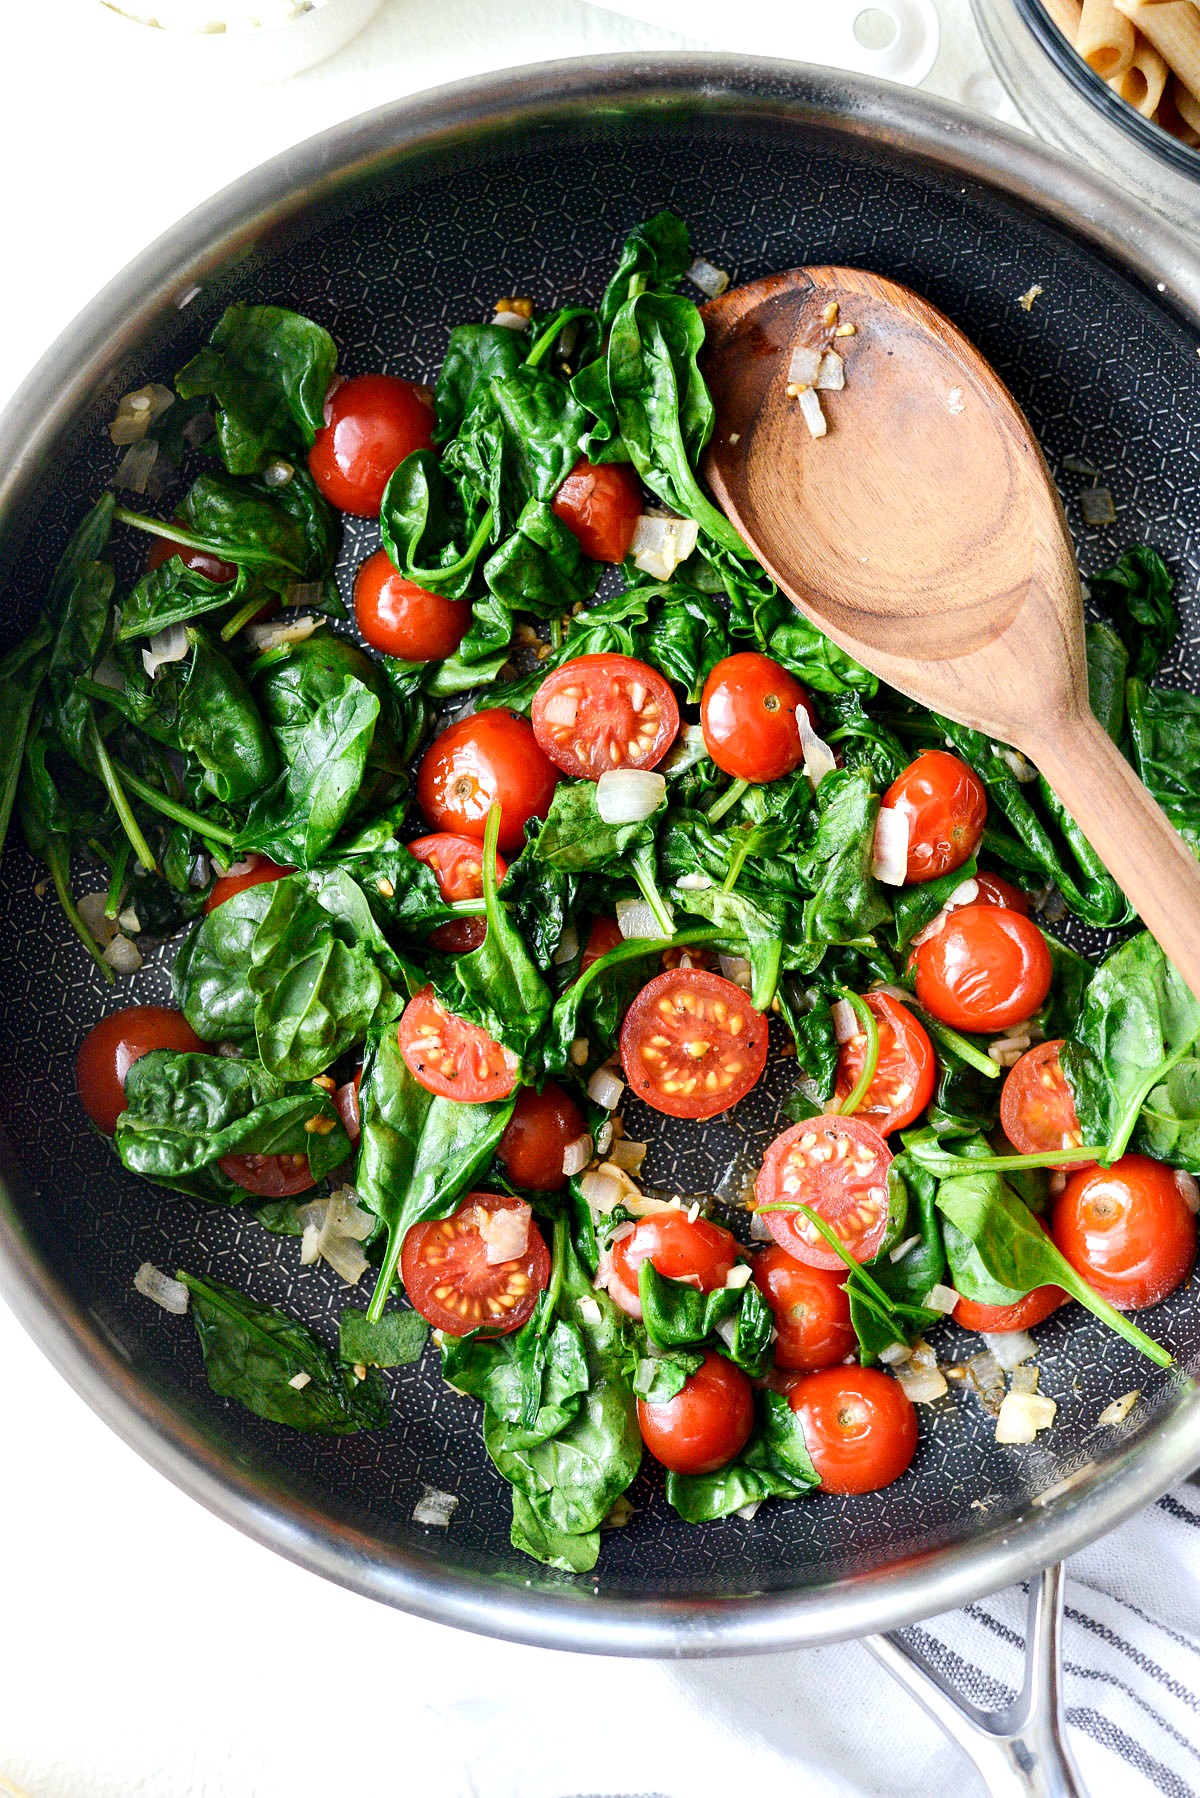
x=264 y=54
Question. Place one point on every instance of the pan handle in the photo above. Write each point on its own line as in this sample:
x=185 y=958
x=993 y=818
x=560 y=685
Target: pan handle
x=1021 y=1752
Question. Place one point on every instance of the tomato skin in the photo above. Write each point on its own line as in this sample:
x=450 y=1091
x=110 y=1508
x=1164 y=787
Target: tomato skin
x=449 y=1056
x=346 y=1101
x=490 y=758
x=706 y=1424
x=999 y=1320
x=200 y=561
x=1037 y=1110
x=600 y=503
x=605 y=934
x=945 y=803
x=608 y=731
x=847 y=1191
x=748 y=713
x=402 y=619
x=111 y=1047
x=860 y=1427
x=539 y=1130
x=1127 y=1229
x=372 y=422
x=995 y=890
x=457 y=865
x=269 y=1176
x=903 y=1082
x=986 y=969
x=693 y=1010
x=255 y=871
x=450 y=1253
x=680 y=1249
x=810 y=1307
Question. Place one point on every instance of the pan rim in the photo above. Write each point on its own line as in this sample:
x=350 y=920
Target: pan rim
x=913 y=125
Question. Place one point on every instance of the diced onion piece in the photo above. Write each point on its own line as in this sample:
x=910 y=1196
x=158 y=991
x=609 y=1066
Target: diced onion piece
x=300 y=1380
x=987 y=1379
x=1018 y=764
x=605 y=1088
x=627 y=1155
x=278 y=473
x=804 y=366
x=901 y=1249
x=727 y=1329
x=568 y=946
x=1120 y=1408
x=561 y=708
x=169 y=645
x=710 y=280
x=819 y=758
x=153 y=1284
x=137 y=465
x=1010 y=1347
x=635 y=918
x=966 y=893
x=579 y=1052
x=934 y=927
x=122 y=956
x=922 y=1384
x=831 y=375
x=511 y=321
x=434 y=1509
x=845 y=1021
x=694 y=883
x=1022 y=1415
x=137 y=411
x=737 y=969
x=601 y=1191
x=505 y=1231
x=107 y=674
x=749 y=1512
x=660 y=544
x=334 y=1228
x=940 y=1298
x=810 y=409
x=1096 y=504
x=688 y=748
x=760 y=1229
x=576 y=1155
x=605 y=1133
x=923 y=1355
x=129 y=921
x=304 y=593
x=740 y=1274
x=889 y=861
x=589 y=1309
x=629 y=795
x=275 y=634
x=1189 y=1189
x=895 y=1354
x=1025 y=1378
x=100 y=926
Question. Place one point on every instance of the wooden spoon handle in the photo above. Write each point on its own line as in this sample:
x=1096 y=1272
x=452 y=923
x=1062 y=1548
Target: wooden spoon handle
x=1136 y=841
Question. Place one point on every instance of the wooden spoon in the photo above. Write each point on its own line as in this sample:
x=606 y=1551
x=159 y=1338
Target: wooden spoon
x=925 y=535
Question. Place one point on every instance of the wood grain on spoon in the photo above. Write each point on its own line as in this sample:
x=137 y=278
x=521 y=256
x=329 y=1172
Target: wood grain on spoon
x=924 y=534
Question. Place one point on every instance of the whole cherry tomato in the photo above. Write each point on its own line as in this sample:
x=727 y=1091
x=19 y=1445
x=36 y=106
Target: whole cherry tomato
x=945 y=803
x=537 y=1135
x=706 y=1424
x=860 y=1427
x=810 y=1307
x=600 y=503
x=1127 y=1229
x=111 y=1047
x=749 y=713
x=678 y=1247
x=372 y=422
x=988 y=968
x=490 y=758
x=402 y=619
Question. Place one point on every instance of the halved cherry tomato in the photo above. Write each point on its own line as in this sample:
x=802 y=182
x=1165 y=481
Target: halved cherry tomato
x=838 y=1167
x=598 y=713
x=903 y=1081
x=111 y=1047
x=491 y=758
x=600 y=503
x=254 y=871
x=748 y=713
x=680 y=1249
x=860 y=1427
x=457 y=865
x=706 y=1424
x=402 y=619
x=346 y=1101
x=536 y=1136
x=1037 y=1111
x=993 y=889
x=448 y=1277
x=811 y=1310
x=269 y=1176
x=999 y=1320
x=451 y=1057
x=945 y=803
x=692 y=1044
x=605 y=934
x=371 y=423
x=986 y=969
x=200 y=561
x=1127 y=1229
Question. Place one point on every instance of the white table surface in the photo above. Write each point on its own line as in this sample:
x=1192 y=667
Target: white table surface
x=145 y=1647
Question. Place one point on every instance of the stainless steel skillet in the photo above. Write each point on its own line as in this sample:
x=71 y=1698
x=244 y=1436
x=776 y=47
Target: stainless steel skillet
x=389 y=229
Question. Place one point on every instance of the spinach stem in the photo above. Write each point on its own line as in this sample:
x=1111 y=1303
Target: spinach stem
x=741 y=850
x=556 y=633
x=870 y=1028
x=641 y=866
x=242 y=616
x=116 y=792
x=643 y=945
x=423 y=576
x=171 y=808
x=957 y=1044
x=766 y=978
x=116 y=886
x=945 y=1166
x=1116 y=1320
x=542 y=345
x=558 y=1265
x=885 y=1306
x=74 y=917
x=224 y=552
x=727 y=800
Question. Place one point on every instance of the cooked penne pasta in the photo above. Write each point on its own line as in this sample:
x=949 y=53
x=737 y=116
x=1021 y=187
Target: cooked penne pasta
x=1173 y=27
x=1143 y=82
x=1187 y=105
x=1066 y=15
x=1170 y=117
x=1106 y=38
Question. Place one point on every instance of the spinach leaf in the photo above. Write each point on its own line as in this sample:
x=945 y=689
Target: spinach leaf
x=540 y=568
x=269 y=372
x=1139 y=593
x=518 y=441
x=298 y=816
x=575 y=839
x=1164 y=731
x=758 y=926
x=907 y=1282
x=475 y=354
x=688 y=635
x=22 y=671
x=1107 y=666
x=848 y=902
x=396 y=1339
x=173 y=593
x=675 y=1315
x=810 y=655
x=914 y=907
x=210 y=979
x=661 y=1377
x=425 y=529
x=774 y=1464
x=292 y=682
x=315 y=993
x=252 y=1353
x=538 y=900
x=654 y=257
x=242 y=526
x=863 y=742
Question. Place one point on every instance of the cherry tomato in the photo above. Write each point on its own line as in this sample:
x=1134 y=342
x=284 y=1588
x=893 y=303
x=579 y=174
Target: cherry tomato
x=598 y=713
x=699 y=1252
x=402 y=619
x=946 y=806
x=600 y=503
x=371 y=423
x=491 y=758
x=998 y=1320
x=811 y=1310
x=200 y=561
x=902 y=1085
x=111 y=1047
x=269 y=1176
x=993 y=889
x=749 y=715
x=1037 y=1110
x=450 y=1057
x=346 y=1101
x=988 y=968
x=605 y=934
x=860 y=1427
x=706 y=1424
x=1127 y=1229
x=448 y=1277
x=536 y=1136
x=457 y=864
x=838 y=1167
x=254 y=871
x=692 y=1044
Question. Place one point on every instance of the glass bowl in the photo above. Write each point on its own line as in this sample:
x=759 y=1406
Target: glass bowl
x=1063 y=100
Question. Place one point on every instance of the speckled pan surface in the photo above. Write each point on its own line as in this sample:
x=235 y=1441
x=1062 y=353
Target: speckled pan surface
x=510 y=192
